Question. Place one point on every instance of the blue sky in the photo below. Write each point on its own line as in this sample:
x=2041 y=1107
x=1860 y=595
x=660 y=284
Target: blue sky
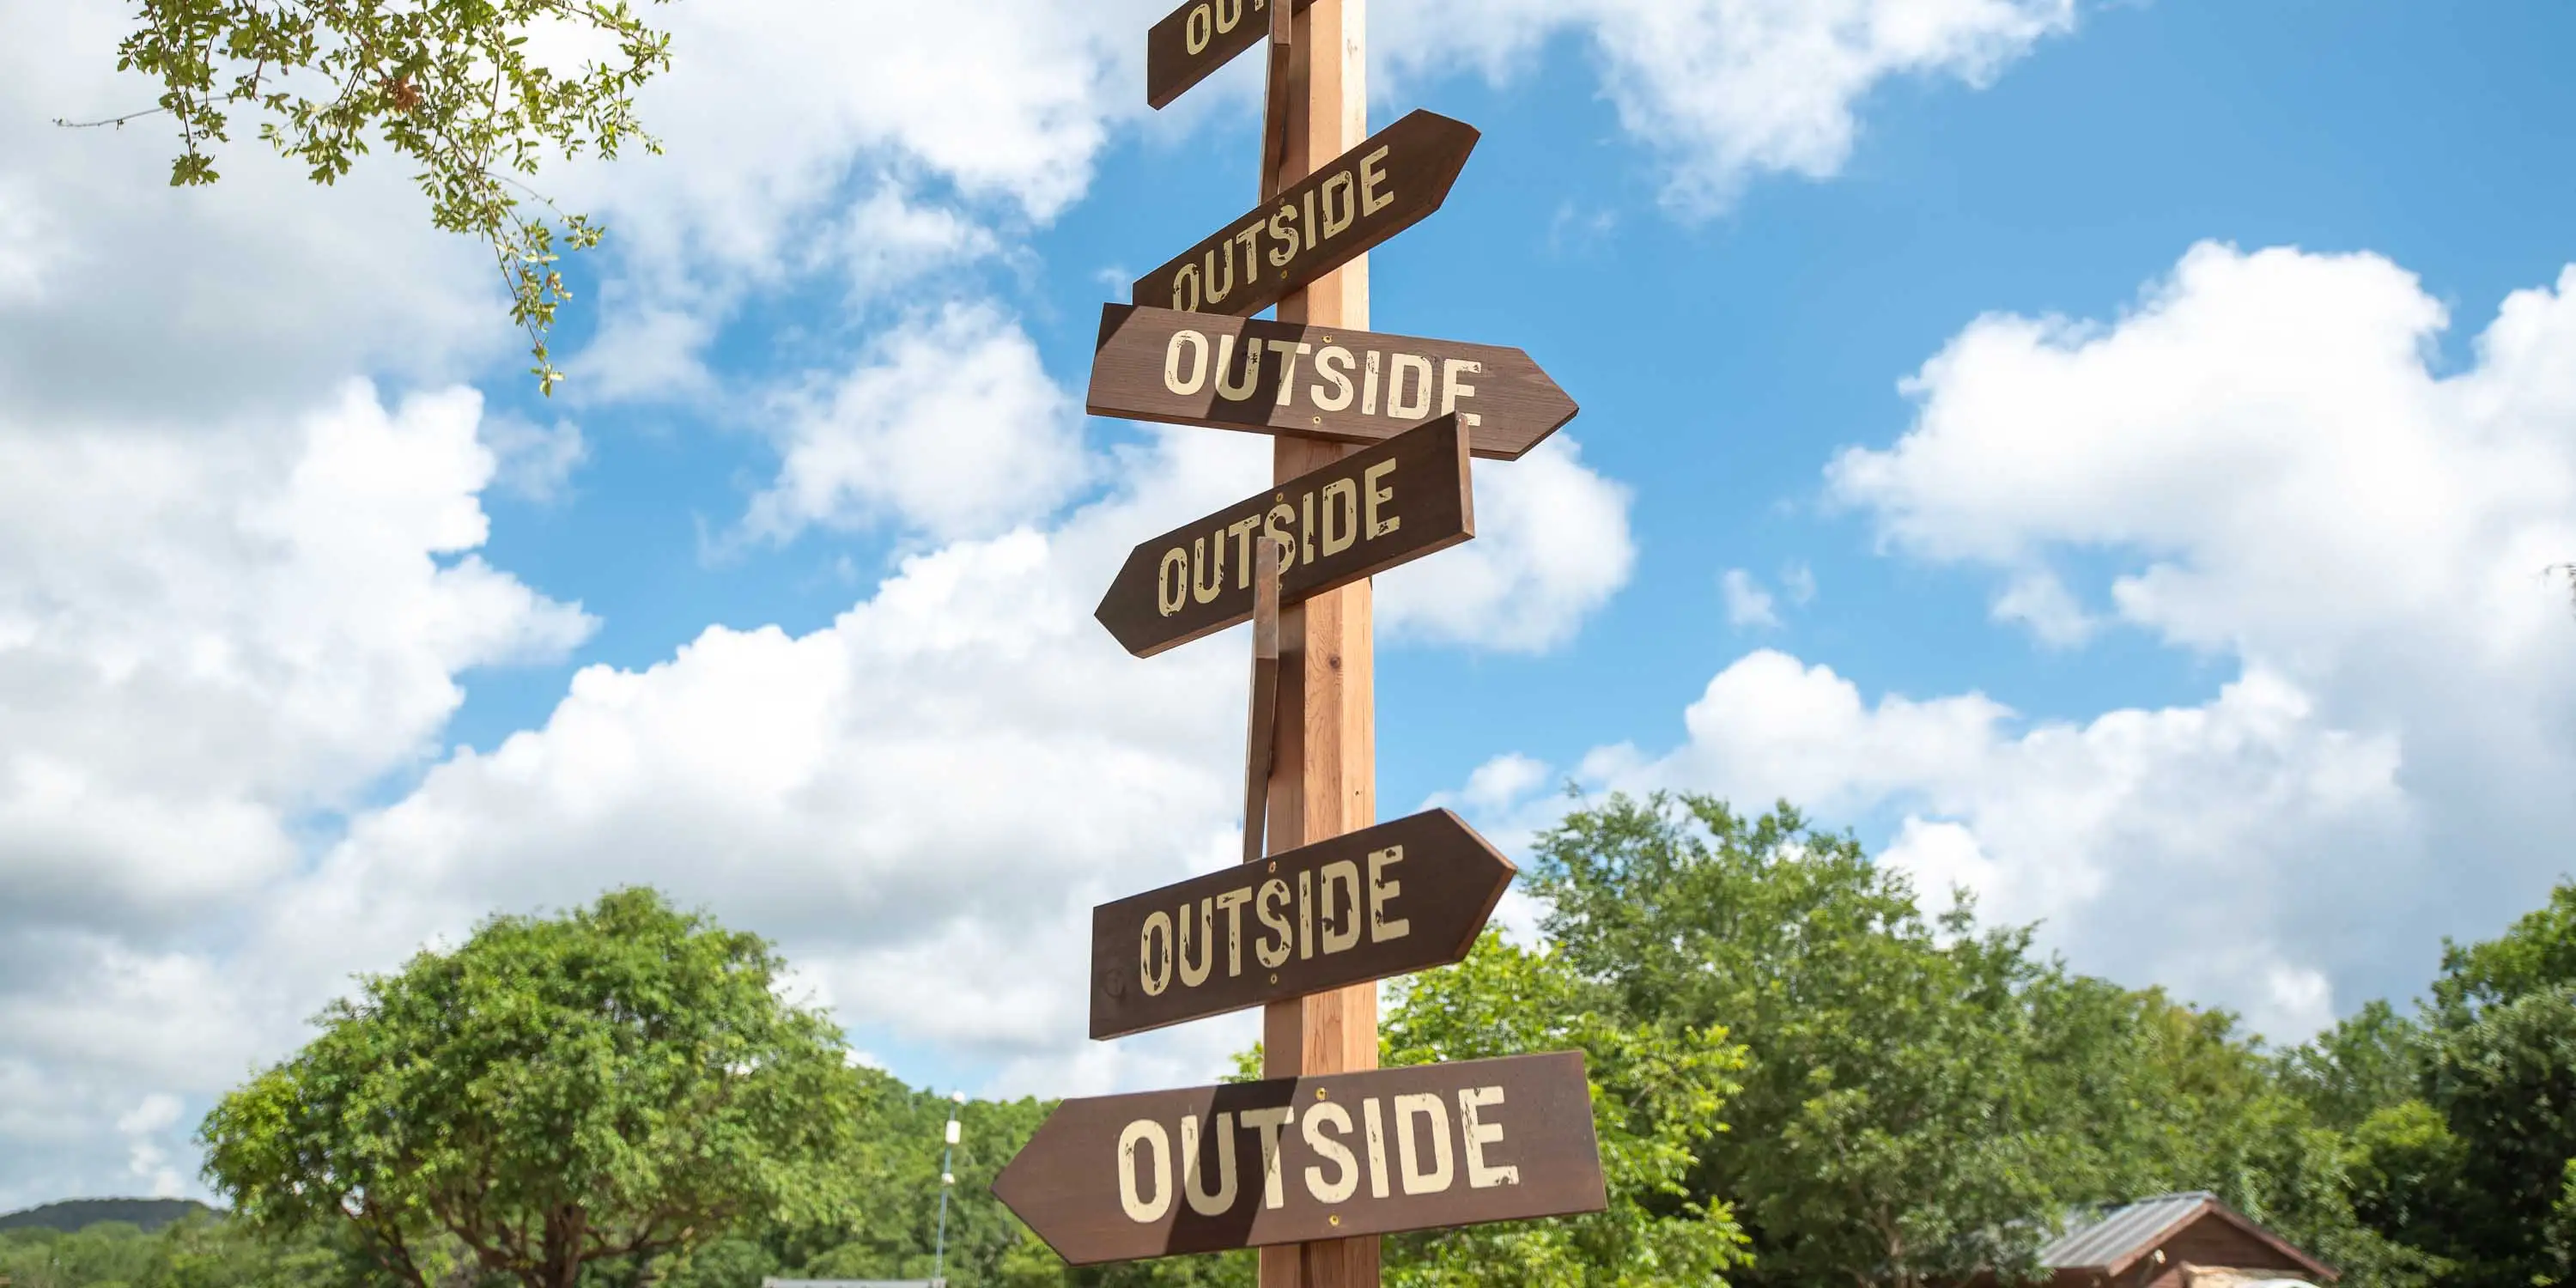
x=2085 y=478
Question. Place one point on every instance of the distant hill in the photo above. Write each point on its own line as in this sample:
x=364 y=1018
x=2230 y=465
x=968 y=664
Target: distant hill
x=75 y=1214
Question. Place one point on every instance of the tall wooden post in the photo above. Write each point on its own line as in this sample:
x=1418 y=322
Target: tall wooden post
x=1324 y=777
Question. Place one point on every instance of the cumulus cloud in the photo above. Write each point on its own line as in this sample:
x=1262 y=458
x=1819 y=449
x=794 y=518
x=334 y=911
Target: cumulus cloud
x=949 y=425
x=1730 y=89
x=1552 y=545
x=1747 y=603
x=2265 y=450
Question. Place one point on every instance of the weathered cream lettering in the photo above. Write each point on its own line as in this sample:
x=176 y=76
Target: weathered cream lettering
x=1475 y=1133
x=1193 y=976
x=1342 y=931
x=1339 y=536
x=1231 y=904
x=1434 y=1113
x=1172 y=586
x=1283 y=235
x=1452 y=389
x=1287 y=542
x=1207 y=579
x=1372 y=496
x=1288 y=353
x=1242 y=533
x=1225 y=20
x=1216 y=294
x=1333 y=365
x=1272 y=951
x=1198 y=29
x=1226 y=386
x=1374 y=1114
x=1270 y=1122
x=1335 y=224
x=1141 y=1133
x=1368 y=385
x=1154 y=959
x=1193 y=1187
x=1382 y=891
x=1418 y=406
x=1318 y=1117
x=1306 y=913
x=1373 y=173
x=1186 y=301
x=1198 y=349
x=1251 y=239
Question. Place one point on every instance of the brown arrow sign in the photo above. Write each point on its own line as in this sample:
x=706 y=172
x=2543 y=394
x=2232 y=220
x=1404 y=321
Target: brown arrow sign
x=1124 y=1178
x=1317 y=381
x=1383 y=901
x=1355 y=518
x=1387 y=184
x=1198 y=38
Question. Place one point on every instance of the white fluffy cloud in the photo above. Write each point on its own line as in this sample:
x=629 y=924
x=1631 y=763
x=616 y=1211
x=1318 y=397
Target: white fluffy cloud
x=1729 y=89
x=1552 y=546
x=2265 y=447
x=950 y=426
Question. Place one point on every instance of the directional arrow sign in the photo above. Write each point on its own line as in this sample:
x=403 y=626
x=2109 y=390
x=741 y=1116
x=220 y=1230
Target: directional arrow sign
x=1198 y=38
x=1123 y=1178
x=1316 y=381
x=1387 y=900
x=1355 y=518
x=1368 y=194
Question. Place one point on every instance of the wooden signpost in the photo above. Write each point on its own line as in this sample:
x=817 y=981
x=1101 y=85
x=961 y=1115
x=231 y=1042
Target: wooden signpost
x=1389 y=900
x=1352 y=519
x=1372 y=438
x=1389 y=183
x=1316 y=381
x=1122 y=1178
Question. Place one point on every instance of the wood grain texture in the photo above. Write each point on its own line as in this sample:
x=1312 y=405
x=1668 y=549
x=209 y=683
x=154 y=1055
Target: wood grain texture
x=1407 y=497
x=1310 y=381
x=1114 y=1178
x=1327 y=781
x=1172 y=68
x=1383 y=901
x=1388 y=183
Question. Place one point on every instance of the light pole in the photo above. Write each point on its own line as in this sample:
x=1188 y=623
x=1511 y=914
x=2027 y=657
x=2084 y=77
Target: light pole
x=947 y=1182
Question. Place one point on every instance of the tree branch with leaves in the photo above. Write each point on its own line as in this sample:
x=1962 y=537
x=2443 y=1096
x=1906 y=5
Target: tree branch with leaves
x=450 y=85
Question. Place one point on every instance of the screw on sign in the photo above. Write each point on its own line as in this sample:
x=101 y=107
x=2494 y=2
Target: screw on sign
x=1125 y=1178
x=1317 y=381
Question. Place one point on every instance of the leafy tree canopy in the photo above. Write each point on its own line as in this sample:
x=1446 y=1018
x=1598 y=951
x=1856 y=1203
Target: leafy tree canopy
x=455 y=87
x=621 y=1082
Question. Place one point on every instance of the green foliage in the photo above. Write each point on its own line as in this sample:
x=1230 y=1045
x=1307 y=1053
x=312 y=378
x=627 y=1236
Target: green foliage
x=201 y=1251
x=2537 y=952
x=2362 y=1065
x=1913 y=1095
x=449 y=85
x=621 y=1082
x=1657 y=1094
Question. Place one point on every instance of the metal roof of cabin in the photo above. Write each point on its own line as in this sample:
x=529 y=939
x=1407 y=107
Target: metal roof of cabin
x=2122 y=1233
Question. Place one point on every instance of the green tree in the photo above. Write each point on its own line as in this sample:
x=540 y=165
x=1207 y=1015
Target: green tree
x=451 y=86
x=1658 y=1092
x=622 y=1082
x=1918 y=1099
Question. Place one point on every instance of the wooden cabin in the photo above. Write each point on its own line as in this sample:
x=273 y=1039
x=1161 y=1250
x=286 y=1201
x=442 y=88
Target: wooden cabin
x=2178 y=1241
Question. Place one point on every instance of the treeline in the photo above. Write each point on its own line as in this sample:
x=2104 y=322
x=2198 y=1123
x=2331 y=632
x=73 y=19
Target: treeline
x=1801 y=1080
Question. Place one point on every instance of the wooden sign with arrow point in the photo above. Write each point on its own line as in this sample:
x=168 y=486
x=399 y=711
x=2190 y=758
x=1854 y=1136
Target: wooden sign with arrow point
x=1388 y=900
x=1355 y=518
x=1123 y=1178
x=1317 y=381
x=1390 y=182
x=1198 y=38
